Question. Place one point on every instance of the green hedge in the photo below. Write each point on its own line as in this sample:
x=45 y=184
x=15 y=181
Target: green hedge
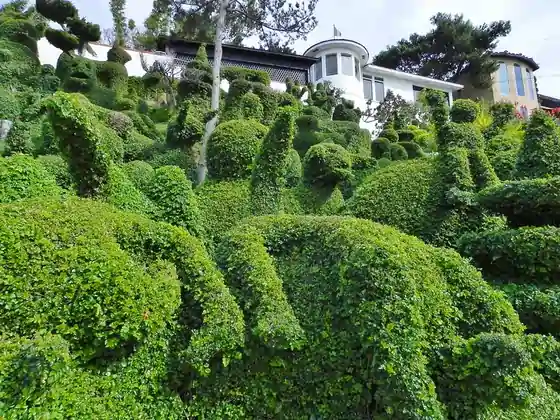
x=532 y=202
x=294 y=169
x=365 y=295
x=57 y=167
x=398 y=152
x=529 y=255
x=413 y=150
x=140 y=173
x=233 y=147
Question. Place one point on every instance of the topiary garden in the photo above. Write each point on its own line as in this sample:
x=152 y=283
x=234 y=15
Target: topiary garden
x=317 y=273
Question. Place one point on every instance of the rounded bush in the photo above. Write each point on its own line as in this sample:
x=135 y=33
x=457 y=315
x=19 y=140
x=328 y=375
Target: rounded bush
x=413 y=150
x=233 y=147
x=398 y=152
x=464 y=111
x=116 y=300
x=381 y=148
x=113 y=75
x=141 y=174
x=406 y=135
x=124 y=104
x=294 y=169
x=316 y=112
x=327 y=164
x=390 y=134
x=121 y=123
x=118 y=55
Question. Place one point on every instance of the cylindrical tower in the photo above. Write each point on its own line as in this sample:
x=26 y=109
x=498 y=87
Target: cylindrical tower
x=341 y=62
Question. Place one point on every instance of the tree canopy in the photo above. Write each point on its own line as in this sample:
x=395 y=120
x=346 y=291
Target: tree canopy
x=454 y=45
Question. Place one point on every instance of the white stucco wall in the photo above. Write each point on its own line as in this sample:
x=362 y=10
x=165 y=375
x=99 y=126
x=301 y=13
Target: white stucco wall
x=400 y=83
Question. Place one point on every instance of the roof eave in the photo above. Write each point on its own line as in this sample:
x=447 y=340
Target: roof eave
x=422 y=80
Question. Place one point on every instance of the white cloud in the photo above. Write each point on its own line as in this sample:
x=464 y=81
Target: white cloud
x=378 y=23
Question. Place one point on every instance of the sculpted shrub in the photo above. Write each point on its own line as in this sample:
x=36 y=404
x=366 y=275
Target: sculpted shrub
x=233 y=147
x=269 y=173
x=464 y=111
x=326 y=165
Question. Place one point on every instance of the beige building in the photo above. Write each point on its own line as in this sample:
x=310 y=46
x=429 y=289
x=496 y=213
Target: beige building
x=513 y=82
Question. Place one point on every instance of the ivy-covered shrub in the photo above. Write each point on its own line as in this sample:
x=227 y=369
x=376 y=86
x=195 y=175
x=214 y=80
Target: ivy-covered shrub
x=316 y=112
x=57 y=167
x=23 y=177
x=113 y=75
x=138 y=147
x=18 y=139
x=143 y=124
x=464 y=111
x=413 y=150
x=489 y=370
x=234 y=73
x=139 y=297
x=294 y=169
x=502 y=151
x=81 y=138
x=232 y=148
x=233 y=104
x=398 y=152
x=345 y=111
x=62 y=40
x=540 y=154
x=172 y=192
x=124 y=104
x=502 y=113
x=268 y=177
x=141 y=174
x=9 y=105
x=184 y=159
x=326 y=165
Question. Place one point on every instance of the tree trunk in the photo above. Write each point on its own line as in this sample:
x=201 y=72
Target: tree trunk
x=211 y=125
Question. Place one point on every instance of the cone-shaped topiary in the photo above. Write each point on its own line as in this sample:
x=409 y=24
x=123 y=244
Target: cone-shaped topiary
x=540 y=154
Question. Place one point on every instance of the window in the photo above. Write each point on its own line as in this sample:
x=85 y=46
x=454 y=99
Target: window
x=503 y=79
x=319 y=70
x=357 y=68
x=346 y=64
x=331 y=64
x=530 y=84
x=368 y=88
x=379 y=89
x=519 y=80
x=416 y=92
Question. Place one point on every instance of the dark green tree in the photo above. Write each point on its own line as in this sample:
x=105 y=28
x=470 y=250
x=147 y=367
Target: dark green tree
x=119 y=21
x=452 y=47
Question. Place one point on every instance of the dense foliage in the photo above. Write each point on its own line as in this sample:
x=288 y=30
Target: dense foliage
x=301 y=281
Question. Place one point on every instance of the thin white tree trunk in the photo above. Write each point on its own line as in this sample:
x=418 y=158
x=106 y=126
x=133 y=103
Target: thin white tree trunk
x=215 y=106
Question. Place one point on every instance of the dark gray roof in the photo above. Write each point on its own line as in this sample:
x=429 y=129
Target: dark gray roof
x=514 y=56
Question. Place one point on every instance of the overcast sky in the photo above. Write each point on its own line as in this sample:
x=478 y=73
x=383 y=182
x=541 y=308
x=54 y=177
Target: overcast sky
x=376 y=23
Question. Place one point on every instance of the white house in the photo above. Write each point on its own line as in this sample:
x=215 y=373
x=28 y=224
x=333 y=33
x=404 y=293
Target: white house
x=343 y=62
